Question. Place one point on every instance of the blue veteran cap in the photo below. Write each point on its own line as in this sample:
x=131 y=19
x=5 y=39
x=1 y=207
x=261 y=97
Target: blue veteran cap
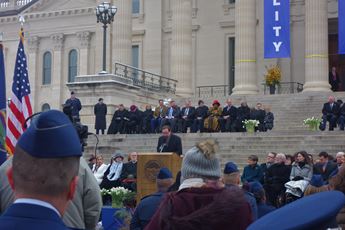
x=314 y=212
x=51 y=135
x=230 y=167
x=164 y=173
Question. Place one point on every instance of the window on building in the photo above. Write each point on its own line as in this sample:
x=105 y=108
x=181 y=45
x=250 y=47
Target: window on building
x=231 y=64
x=231 y=1
x=45 y=107
x=135 y=6
x=72 y=65
x=135 y=59
x=47 y=68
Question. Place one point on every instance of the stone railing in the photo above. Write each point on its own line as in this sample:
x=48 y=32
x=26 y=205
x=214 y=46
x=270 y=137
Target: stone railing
x=215 y=91
x=13 y=7
x=145 y=79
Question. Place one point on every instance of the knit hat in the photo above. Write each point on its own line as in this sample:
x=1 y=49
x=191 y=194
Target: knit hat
x=317 y=181
x=230 y=167
x=200 y=161
x=117 y=154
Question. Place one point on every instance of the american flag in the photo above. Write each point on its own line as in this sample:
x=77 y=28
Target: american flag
x=20 y=105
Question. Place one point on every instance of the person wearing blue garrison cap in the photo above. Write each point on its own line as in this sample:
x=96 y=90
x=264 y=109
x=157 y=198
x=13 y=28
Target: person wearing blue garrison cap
x=44 y=173
x=149 y=204
x=315 y=212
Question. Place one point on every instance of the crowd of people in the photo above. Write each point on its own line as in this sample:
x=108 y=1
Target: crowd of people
x=197 y=119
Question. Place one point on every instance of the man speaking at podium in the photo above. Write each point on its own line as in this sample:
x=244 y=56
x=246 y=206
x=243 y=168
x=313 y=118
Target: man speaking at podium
x=169 y=142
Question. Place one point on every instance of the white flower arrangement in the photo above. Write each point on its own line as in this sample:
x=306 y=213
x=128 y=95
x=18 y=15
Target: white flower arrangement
x=313 y=123
x=250 y=125
x=118 y=195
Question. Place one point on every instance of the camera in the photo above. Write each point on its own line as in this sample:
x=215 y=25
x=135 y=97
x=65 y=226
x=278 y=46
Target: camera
x=81 y=129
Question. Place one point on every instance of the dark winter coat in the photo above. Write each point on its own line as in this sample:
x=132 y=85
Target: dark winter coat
x=202 y=208
x=100 y=111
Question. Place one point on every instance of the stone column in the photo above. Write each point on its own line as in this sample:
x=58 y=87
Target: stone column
x=58 y=80
x=316 y=46
x=84 y=39
x=181 y=47
x=33 y=45
x=245 y=48
x=122 y=33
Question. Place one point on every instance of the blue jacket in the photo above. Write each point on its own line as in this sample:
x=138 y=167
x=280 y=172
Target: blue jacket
x=145 y=210
x=251 y=174
x=29 y=216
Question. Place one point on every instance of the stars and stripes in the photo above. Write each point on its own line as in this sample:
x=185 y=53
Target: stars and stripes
x=20 y=105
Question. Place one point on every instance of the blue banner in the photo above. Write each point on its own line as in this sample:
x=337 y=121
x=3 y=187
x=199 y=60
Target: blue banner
x=3 y=154
x=341 y=24
x=277 y=28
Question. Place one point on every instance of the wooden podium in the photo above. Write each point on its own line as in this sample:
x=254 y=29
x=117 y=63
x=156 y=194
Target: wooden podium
x=148 y=168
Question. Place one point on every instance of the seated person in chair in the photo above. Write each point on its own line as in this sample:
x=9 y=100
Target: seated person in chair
x=211 y=123
x=119 y=121
x=186 y=117
x=128 y=175
x=330 y=112
x=228 y=118
x=171 y=117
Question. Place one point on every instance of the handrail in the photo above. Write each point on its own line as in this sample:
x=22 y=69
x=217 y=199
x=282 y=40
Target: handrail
x=223 y=90
x=14 y=7
x=145 y=79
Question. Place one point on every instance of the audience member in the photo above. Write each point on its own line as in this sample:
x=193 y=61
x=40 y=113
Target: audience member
x=201 y=200
x=301 y=169
x=324 y=166
x=129 y=172
x=337 y=183
x=160 y=113
x=269 y=119
x=43 y=174
x=289 y=160
x=340 y=159
x=243 y=113
x=149 y=204
x=112 y=174
x=75 y=105
x=200 y=115
x=169 y=142
x=252 y=172
x=341 y=114
x=231 y=178
x=148 y=126
x=227 y=120
x=172 y=116
x=92 y=161
x=187 y=116
x=275 y=178
x=259 y=114
x=211 y=123
x=260 y=197
x=330 y=112
x=100 y=111
x=99 y=168
x=134 y=124
x=269 y=162
x=119 y=121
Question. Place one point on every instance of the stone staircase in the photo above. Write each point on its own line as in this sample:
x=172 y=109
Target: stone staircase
x=288 y=136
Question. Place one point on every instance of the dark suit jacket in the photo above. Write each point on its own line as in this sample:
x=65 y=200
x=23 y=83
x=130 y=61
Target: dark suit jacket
x=28 y=216
x=334 y=83
x=328 y=110
x=232 y=112
x=330 y=167
x=191 y=113
x=175 y=113
x=173 y=144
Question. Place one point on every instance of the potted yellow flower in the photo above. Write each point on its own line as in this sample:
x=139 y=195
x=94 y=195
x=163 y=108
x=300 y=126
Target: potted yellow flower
x=273 y=78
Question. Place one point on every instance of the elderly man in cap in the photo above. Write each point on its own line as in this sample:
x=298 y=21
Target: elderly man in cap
x=232 y=178
x=149 y=204
x=43 y=174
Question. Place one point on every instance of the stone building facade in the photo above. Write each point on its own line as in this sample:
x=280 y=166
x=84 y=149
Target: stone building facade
x=197 y=42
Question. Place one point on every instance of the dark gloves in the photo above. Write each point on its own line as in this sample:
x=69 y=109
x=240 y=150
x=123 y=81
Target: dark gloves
x=296 y=178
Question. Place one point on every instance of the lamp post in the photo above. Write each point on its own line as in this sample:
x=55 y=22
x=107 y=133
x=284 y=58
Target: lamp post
x=105 y=14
